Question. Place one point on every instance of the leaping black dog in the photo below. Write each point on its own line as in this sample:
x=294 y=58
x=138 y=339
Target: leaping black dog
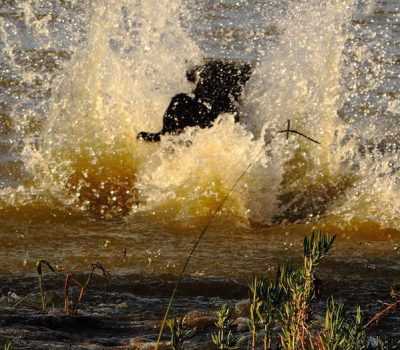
x=218 y=89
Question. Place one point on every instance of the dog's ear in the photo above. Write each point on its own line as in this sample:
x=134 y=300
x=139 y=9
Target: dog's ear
x=192 y=74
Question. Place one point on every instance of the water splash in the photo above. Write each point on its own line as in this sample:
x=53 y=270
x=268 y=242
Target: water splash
x=112 y=70
x=300 y=80
x=118 y=82
x=189 y=175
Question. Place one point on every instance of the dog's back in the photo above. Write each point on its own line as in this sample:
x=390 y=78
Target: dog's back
x=218 y=88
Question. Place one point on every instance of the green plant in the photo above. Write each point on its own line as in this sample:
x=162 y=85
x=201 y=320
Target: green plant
x=266 y=298
x=179 y=332
x=256 y=290
x=333 y=335
x=341 y=331
x=7 y=344
x=283 y=308
x=315 y=246
x=222 y=339
x=270 y=308
x=388 y=344
x=300 y=291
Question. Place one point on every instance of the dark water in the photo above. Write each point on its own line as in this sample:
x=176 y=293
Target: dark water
x=79 y=80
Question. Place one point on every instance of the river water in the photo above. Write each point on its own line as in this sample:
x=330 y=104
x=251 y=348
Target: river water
x=79 y=79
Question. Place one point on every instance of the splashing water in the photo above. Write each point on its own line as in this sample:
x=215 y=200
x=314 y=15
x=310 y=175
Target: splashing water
x=299 y=80
x=110 y=87
x=110 y=73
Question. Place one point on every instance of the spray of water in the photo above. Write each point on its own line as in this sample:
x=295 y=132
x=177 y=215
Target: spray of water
x=112 y=87
x=115 y=68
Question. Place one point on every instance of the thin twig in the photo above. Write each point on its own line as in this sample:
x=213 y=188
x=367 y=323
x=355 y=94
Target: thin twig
x=95 y=267
x=218 y=209
x=301 y=134
x=24 y=298
x=288 y=130
x=66 y=294
x=380 y=314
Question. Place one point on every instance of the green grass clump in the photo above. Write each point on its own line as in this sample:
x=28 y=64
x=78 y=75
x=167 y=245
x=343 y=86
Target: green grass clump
x=224 y=339
x=7 y=344
x=179 y=332
x=266 y=299
x=340 y=330
x=281 y=309
x=282 y=314
x=301 y=290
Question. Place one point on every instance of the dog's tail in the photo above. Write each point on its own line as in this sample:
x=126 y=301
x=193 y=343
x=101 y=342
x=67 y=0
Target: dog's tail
x=149 y=137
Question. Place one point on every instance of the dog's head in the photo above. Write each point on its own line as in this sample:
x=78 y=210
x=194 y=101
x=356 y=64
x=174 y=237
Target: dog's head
x=217 y=79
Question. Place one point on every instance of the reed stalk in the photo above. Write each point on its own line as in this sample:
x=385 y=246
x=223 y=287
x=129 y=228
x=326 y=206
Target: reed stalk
x=205 y=229
x=196 y=243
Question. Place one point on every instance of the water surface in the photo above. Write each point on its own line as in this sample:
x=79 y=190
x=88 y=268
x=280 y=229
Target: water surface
x=80 y=79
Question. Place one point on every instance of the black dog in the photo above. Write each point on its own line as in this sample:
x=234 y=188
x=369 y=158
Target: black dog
x=218 y=89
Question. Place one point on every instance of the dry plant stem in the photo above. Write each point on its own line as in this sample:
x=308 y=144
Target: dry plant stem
x=301 y=134
x=74 y=309
x=253 y=337
x=42 y=294
x=320 y=343
x=68 y=280
x=84 y=286
x=199 y=238
x=24 y=298
x=216 y=212
x=39 y=267
x=303 y=332
x=288 y=130
x=303 y=338
x=267 y=340
x=253 y=317
x=380 y=314
x=66 y=294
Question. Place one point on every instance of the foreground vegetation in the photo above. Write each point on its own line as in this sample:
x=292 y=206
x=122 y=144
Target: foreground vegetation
x=282 y=314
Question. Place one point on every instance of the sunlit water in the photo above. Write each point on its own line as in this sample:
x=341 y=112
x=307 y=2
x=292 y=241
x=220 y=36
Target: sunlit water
x=79 y=80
